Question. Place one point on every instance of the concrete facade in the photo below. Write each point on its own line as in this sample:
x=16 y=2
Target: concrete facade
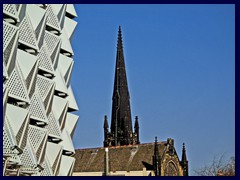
x=37 y=95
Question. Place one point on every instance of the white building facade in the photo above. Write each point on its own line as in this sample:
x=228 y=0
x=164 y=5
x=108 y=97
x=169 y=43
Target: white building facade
x=38 y=100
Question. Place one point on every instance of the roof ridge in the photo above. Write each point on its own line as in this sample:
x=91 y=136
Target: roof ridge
x=125 y=146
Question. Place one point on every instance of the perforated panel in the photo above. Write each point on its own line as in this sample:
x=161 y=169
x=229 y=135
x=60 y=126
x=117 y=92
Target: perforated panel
x=9 y=49
x=10 y=133
x=16 y=86
x=26 y=33
x=8 y=32
x=47 y=170
x=10 y=9
x=6 y=143
x=27 y=158
x=27 y=81
x=36 y=135
x=17 y=6
x=51 y=41
x=44 y=59
x=36 y=108
x=52 y=18
x=53 y=126
x=20 y=133
x=44 y=85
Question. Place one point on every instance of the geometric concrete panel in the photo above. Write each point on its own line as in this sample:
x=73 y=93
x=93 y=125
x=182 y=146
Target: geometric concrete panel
x=72 y=106
x=16 y=85
x=53 y=126
x=67 y=142
x=5 y=75
x=66 y=45
x=69 y=26
x=51 y=41
x=5 y=98
x=36 y=108
x=38 y=19
x=19 y=125
x=59 y=108
x=9 y=31
x=10 y=39
x=60 y=83
x=54 y=153
x=9 y=141
x=59 y=11
x=46 y=88
x=36 y=14
x=45 y=62
x=71 y=10
x=71 y=122
x=67 y=164
x=65 y=65
x=38 y=139
x=36 y=76
x=52 y=19
x=44 y=85
x=10 y=10
x=28 y=160
x=26 y=34
x=28 y=65
x=47 y=170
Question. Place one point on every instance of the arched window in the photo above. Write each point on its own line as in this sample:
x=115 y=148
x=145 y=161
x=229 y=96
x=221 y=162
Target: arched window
x=171 y=169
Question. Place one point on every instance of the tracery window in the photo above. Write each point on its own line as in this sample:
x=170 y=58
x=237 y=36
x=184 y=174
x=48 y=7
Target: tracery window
x=171 y=170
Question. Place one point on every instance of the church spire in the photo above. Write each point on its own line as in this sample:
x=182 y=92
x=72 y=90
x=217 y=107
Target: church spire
x=105 y=127
x=184 y=161
x=121 y=123
x=156 y=159
x=119 y=42
x=121 y=131
x=136 y=131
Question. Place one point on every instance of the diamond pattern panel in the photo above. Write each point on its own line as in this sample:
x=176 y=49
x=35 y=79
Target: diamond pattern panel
x=17 y=87
x=36 y=108
x=47 y=170
x=44 y=86
x=32 y=79
x=36 y=135
x=53 y=126
x=26 y=33
x=44 y=60
x=52 y=18
x=51 y=41
x=9 y=49
x=9 y=31
x=10 y=9
x=28 y=160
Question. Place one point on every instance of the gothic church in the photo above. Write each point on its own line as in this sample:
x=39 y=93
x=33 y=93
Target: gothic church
x=122 y=154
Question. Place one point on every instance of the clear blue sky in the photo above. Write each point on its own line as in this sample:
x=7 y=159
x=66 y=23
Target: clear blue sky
x=180 y=62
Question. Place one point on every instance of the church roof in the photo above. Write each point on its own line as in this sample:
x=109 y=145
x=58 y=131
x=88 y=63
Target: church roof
x=121 y=158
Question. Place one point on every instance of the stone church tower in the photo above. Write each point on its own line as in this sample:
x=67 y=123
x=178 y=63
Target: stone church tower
x=122 y=154
x=121 y=123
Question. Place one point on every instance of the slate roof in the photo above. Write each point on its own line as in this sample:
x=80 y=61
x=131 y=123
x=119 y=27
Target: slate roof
x=121 y=158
